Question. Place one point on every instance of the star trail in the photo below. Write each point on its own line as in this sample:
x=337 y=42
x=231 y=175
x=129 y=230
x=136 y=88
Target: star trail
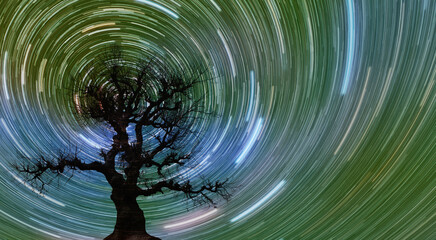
x=325 y=116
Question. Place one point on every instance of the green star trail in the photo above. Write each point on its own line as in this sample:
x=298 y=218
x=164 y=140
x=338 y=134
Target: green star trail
x=325 y=115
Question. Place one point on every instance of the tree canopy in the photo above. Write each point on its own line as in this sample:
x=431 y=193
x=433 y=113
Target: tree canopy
x=160 y=104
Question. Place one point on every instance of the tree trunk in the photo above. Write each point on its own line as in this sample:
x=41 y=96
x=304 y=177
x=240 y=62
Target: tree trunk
x=130 y=223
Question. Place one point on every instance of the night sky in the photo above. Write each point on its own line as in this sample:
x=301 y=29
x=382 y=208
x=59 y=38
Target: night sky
x=325 y=115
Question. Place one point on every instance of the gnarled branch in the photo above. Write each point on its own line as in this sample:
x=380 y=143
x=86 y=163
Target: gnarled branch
x=33 y=173
x=199 y=195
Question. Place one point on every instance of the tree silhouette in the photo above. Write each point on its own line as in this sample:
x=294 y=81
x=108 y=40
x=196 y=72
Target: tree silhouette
x=159 y=103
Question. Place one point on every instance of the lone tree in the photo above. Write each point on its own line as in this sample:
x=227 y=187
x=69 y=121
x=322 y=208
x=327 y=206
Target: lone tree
x=159 y=102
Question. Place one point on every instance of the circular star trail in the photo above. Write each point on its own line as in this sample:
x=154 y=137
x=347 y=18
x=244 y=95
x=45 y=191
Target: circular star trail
x=325 y=115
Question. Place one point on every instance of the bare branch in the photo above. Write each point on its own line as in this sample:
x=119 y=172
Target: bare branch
x=199 y=195
x=33 y=173
x=170 y=159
